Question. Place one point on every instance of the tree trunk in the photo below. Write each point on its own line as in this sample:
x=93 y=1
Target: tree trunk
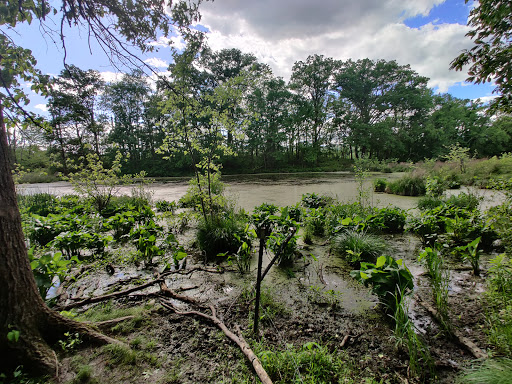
x=21 y=307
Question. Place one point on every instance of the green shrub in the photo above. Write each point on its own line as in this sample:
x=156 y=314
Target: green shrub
x=41 y=204
x=434 y=186
x=312 y=200
x=314 y=221
x=166 y=206
x=379 y=185
x=45 y=267
x=407 y=186
x=468 y=201
x=388 y=220
x=429 y=202
x=357 y=246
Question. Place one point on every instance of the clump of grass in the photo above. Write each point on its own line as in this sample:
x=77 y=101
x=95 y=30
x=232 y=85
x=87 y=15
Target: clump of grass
x=84 y=375
x=407 y=186
x=420 y=361
x=492 y=371
x=221 y=234
x=120 y=355
x=379 y=185
x=357 y=246
x=310 y=363
x=439 y=279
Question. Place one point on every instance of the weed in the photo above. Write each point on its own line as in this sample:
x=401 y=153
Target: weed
x=491 y=371
x=120 y=355
x=390 y=280
x=439 y=278
x=358 y=246
x=407 y=186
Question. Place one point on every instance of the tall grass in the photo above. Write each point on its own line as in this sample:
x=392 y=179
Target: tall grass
x=439 y=281
x=491 y=371
x=356 y=246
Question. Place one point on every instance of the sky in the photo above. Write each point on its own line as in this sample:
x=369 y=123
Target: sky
x=426 y=34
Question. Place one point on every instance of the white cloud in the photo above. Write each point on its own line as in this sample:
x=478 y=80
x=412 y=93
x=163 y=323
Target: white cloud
x=156 y=62
x=111 y=77
x=282 y=32
x=41 y=107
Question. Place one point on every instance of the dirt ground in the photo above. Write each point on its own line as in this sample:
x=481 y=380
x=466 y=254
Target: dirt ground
x=315 y=301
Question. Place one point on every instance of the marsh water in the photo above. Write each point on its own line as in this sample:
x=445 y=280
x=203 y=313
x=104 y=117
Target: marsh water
x=280 y=189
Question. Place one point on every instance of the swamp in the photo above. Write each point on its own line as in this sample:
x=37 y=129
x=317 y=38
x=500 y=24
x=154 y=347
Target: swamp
x=367 y=286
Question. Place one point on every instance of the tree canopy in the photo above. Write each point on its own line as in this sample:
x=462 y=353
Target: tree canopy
x=489 y=59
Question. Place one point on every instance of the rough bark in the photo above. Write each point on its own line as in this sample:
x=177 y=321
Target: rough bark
x=21 y=306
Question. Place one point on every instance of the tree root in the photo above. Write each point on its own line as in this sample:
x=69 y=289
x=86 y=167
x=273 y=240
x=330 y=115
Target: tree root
x=239 y=340
x=97 y=299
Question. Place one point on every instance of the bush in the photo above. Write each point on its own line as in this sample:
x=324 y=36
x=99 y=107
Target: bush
x=407 y=186
x=312 y=200
x=464 y=200
x=429 y=202
x=379 y=185
x=356 y=246
x=166 y=206
x=388 y=220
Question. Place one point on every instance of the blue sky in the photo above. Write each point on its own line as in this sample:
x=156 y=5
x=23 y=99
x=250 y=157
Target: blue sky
x=427 y=34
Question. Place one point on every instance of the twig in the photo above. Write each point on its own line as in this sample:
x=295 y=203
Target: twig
x=108 y=323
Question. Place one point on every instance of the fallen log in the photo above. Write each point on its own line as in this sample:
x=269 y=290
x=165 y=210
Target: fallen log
x=238 y=339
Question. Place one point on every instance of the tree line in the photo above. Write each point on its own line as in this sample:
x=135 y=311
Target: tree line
x=226 y=108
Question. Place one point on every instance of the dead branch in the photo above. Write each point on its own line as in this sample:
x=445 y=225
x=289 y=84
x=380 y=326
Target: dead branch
x=97 y=299
x=239 y=340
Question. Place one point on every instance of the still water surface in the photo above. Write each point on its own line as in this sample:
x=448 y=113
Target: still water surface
x=279 y=189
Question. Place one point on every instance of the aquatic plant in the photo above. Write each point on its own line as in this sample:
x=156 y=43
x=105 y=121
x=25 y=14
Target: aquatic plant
x=407 y=186
x=390 y=279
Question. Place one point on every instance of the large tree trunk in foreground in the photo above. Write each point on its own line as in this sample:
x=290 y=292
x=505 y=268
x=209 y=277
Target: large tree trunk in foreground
x=21 y=306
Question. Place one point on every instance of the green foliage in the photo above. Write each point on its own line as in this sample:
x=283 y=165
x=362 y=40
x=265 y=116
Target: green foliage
x=71 y=341
x=421 y=363
x=439 y=280
x=41 y=204
x=177 y=251
x=390 y=279
x=429 y=202
x=468 y=201
x=311 y=363
x=121 y=224
x=458 y=155
x=488 y=58
x=407 y=186
x=45 y=267
x=356 y=246
x=471 y=253
x=221 y=234
x=166 y=206
x=498 y=305
x=242 y=258
x=491 y=371
x=314 y=221
x=312 y=200
x=145 y=238
x=388 y=220
x=280 y=230
x=379 y=185
x=434 y=186
x=98 y=183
